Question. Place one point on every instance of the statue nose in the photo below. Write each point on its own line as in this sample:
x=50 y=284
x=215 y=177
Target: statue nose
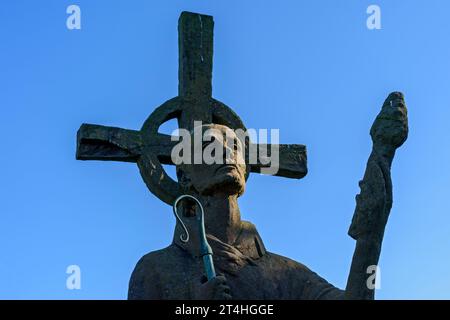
x=228 y=154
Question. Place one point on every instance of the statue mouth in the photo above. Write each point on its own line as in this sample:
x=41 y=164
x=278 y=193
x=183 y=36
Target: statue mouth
x=227 y=167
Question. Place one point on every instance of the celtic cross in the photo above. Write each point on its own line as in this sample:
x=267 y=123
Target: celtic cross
x=149 y=148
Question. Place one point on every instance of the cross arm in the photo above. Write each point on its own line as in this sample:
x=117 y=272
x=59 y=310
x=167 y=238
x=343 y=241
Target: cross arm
x=292 y=160
x=95 y=142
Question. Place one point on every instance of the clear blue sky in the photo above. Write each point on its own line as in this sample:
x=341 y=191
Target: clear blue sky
x=310 y=68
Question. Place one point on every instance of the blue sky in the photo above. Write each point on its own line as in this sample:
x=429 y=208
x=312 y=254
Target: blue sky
x=310 y=68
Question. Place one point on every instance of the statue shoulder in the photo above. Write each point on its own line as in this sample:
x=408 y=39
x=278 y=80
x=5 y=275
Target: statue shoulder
x=308 y=284
x=288 y=264
x=158 y=259
x=148 y=272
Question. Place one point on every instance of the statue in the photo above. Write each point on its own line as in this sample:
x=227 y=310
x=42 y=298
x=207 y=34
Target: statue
x=246 y=270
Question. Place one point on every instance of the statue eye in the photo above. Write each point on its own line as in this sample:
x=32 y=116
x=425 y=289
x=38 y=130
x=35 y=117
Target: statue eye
x=206 y=143
x=237 y=145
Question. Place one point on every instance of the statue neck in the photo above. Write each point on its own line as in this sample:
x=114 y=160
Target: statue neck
x=222 y=217
x=222 y=220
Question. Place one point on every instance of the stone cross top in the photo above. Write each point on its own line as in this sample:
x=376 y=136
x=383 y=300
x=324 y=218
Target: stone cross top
x=149 y=148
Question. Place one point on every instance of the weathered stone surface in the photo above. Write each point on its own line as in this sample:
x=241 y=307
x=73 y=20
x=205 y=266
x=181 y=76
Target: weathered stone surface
x=374 y=203
x=248 y=270
x=251 y=272
x=149 y=148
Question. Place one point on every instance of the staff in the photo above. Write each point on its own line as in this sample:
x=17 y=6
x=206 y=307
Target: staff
x=205 y=249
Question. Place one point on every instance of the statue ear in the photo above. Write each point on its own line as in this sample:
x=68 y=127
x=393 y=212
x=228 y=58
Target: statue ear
x=183 y=178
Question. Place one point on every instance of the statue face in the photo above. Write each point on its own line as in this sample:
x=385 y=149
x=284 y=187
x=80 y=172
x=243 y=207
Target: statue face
x=222 y=169
x=391 y=125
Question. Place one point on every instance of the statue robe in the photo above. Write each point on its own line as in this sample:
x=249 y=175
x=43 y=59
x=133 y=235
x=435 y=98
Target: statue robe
x=251 y=272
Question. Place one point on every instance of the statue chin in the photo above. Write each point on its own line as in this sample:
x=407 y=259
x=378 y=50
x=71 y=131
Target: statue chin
x=229 y=184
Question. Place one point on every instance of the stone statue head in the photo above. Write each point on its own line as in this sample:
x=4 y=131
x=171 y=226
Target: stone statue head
x=222 y=167
x=391 y=125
